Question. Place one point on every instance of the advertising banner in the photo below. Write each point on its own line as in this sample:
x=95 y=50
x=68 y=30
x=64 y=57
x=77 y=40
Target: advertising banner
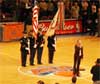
x=12 y=31
x=70 y=26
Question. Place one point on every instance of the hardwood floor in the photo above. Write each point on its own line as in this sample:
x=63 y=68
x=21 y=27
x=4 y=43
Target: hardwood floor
x=11 y=73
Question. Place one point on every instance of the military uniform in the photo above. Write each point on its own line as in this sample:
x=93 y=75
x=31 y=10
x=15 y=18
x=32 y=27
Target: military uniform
x=32 y=44
x=24 y=50
x=40 y=41
x=51 y=47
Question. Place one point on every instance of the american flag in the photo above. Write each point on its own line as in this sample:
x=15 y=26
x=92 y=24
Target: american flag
x=35 y=19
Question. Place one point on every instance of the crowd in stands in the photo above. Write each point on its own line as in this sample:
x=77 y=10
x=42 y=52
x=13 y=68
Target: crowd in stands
x=18 y=10
x=21 y=11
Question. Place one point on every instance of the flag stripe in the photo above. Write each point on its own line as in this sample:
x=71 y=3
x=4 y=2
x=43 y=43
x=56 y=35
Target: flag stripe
x=35 y=20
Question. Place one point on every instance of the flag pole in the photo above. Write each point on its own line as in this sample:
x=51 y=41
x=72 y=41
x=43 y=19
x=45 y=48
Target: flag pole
x=61 y=14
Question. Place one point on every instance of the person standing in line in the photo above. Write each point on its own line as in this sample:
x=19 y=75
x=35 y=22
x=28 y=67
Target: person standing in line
x=95 y=71
x=40 y=43
x=51 y=47
x=24 y=49
x=32 y=45
x=78 y=55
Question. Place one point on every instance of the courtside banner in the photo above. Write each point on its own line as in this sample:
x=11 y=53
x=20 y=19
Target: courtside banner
x=70 y=26
x=12 y=31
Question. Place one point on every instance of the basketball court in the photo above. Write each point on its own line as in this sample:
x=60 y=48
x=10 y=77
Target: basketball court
x=60 y=71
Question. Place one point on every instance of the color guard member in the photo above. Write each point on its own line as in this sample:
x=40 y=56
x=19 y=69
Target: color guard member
x=24 y=49
x=51 y=47
x=40 y=43
x=32 y=45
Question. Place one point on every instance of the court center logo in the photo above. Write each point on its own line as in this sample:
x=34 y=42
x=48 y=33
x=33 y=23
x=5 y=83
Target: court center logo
x=65 y=71
x=55 y=70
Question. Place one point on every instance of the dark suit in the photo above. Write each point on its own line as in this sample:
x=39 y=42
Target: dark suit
x=77 y=59
x=32 y=49
x=51 y=48
x=24 y=50
x=84 y=14
x=93 y=24
x=40 y=41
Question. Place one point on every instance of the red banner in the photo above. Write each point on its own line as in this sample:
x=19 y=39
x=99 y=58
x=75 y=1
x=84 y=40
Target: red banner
x=70 y=26
x=12 y=31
